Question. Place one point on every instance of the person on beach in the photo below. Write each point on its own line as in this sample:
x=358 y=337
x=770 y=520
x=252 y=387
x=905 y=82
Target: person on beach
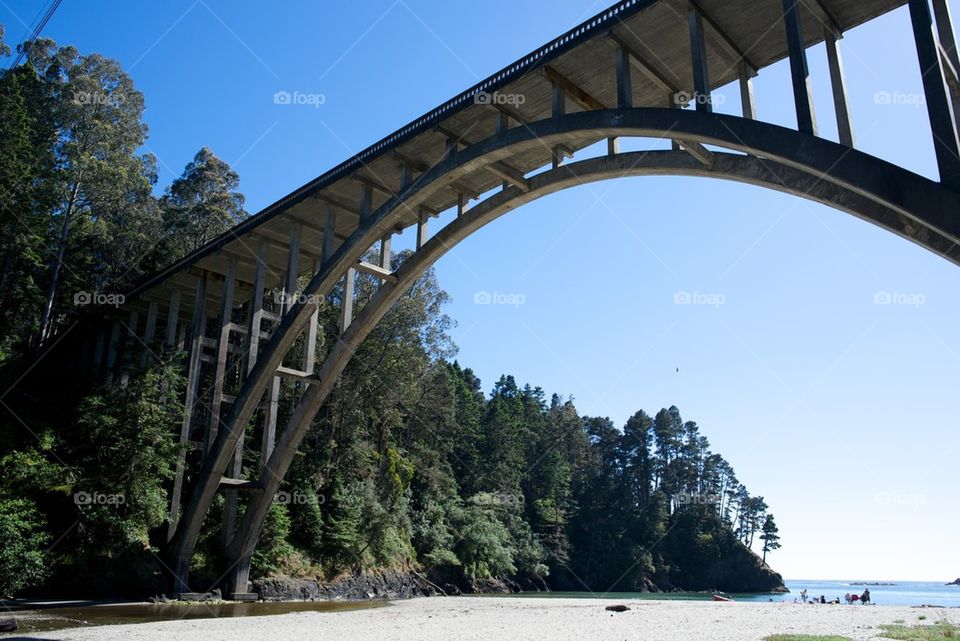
x=803 y=595
x=865 y=597
x=848 y=598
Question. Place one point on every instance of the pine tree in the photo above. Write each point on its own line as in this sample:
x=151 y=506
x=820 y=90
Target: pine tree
x=770 y=536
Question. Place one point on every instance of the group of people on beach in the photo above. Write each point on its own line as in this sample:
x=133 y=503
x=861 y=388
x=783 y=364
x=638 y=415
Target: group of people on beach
x=849 y=598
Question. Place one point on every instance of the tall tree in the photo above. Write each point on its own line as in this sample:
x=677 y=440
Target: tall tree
x=26 y=167
x=201 y=204
x=770 y=535
x=98 y=114
x=637 y=445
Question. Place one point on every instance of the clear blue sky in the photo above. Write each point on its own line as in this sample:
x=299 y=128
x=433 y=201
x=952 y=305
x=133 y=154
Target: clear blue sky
x=841 y=412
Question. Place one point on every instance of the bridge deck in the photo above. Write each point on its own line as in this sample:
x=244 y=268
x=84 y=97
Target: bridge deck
x=582 y=59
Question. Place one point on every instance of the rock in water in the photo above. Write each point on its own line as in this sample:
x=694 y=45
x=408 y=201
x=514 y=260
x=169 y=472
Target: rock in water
x=617 y=608
x=957 y=582
x=8 y=625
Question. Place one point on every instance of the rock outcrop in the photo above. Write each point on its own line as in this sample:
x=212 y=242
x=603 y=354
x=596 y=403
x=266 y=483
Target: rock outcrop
x=386 y=584
x=956 y=582
x=744 y=571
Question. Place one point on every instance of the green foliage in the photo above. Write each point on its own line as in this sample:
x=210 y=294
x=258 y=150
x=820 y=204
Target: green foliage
x=804 y=637
x=935 y=632
x=407 y=465
x=770 y=535
x=483 y=544
x=201 y=204
x=274 y=548
x=23 y=556
x=134 y=424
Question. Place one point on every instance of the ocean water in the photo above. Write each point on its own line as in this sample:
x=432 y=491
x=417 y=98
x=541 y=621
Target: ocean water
x=895 y=593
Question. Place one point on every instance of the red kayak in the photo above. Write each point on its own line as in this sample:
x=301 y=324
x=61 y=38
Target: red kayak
x=720 y=597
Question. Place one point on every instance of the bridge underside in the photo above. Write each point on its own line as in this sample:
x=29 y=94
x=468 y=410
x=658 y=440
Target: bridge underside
x=644 y=68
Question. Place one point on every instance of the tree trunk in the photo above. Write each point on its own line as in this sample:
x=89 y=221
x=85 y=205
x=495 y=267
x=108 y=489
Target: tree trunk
x=46 y=322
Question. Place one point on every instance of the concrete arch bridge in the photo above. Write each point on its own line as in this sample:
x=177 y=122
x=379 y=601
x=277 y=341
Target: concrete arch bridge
x=641 y=68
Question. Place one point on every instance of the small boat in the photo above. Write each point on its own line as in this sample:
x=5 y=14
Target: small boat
x=720 y=597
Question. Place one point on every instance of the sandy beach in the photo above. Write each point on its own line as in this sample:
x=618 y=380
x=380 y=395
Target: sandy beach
x=490 y=619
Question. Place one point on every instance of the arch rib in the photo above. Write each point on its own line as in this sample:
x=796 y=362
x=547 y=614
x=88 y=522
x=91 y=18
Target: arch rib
x=900 y=201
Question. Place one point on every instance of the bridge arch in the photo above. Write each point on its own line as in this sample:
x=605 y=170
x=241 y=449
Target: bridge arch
x=765 y=155
x=629 y=71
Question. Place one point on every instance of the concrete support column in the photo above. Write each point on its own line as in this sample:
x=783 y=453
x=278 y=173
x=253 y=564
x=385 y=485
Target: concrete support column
x=839 y=85
x=422 y=232
x=558 y=101
x=150 y=331
x=346 y=305
x=698 y=56
x=748 y=99
x=624 y=81
x=193 y=379
x=799 y=72
x=223 y=351
x=503 y=123
x=216 y=401
x=310 y=346
x=255 y=313
x=128 y=347
x=293 y=269
x=173 y=316
x=943 y=122
x=406 y=176
x=329 y=234
x=366 y=202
